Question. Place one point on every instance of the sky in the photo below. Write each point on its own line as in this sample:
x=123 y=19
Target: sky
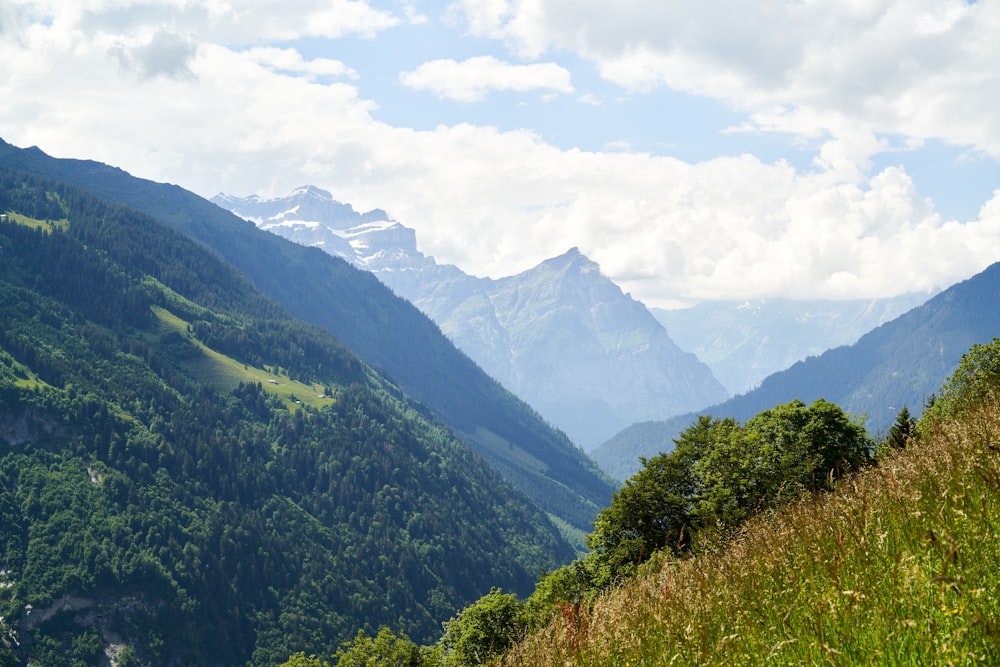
x=697 y=151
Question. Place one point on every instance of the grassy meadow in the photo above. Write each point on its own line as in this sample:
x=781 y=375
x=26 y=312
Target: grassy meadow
x=44 y=225
x=224 y=372
x=899 y=566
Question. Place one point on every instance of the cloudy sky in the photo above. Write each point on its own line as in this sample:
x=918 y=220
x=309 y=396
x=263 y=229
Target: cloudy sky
x=697 y=150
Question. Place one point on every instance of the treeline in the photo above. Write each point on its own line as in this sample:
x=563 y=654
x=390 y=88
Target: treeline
x=304 y=353
x=199 y=526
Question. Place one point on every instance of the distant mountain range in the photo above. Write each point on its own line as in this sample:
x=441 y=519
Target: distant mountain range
x=563 y=337
x=745 y=341
x=383 y=329
x=902 y=362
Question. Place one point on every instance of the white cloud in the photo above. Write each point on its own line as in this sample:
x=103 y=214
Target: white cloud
x=224 y=21
x=245 y=120
x=163 y=54
x=920 y=68
x=291 y=61
x=413 y=16
x=473 y=79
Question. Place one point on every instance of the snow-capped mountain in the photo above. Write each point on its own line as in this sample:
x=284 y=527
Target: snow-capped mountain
x=562 y=336
x=310 y=216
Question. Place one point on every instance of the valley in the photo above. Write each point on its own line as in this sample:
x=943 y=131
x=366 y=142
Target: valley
x=207 y=430
x=169 y=496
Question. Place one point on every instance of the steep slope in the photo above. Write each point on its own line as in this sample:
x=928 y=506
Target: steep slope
x=561 y=336
x=744 y=342
x=899 y=363
x=383 y=329
x=897 y=566
x=587 y=355
x=190 y=476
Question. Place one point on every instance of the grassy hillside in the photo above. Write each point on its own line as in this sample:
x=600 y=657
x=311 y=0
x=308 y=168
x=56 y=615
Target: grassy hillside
x=900 y=566
x=223 y=372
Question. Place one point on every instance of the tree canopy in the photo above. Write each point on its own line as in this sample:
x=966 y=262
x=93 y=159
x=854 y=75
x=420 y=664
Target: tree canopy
x=719 y=474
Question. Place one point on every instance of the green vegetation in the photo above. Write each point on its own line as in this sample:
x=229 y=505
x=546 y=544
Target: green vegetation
x=161 y=501
x=225 y=373
x=693 y=500
x=44 y=225
x=897 y=565
x=384 y=330
x=779 y=541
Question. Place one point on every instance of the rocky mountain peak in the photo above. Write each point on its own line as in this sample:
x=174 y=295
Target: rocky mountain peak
x=560 y=335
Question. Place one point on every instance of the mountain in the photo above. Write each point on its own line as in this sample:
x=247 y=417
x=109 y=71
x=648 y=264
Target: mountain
x=384 y=330
x=902 y=362
x=561 y=336
x=189 y=475
x=743 y=342
x=343 y=232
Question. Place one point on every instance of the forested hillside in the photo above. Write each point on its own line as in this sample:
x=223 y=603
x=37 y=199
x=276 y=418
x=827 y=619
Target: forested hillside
x=190 y=476
x=386 y=331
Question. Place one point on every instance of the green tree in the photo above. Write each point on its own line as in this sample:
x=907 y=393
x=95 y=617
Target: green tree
x=300 y=659
x=384 y=650
x=779 y=454
x=902 y=431
x=486 y=628
x=976 y=380
x=719 y=474
x=571 y=584
x=653 y=510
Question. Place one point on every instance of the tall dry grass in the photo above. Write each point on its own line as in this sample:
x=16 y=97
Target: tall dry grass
x=898 y=566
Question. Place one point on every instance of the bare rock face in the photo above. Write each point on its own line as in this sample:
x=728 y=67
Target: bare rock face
x=589 y=358
x=112 y=615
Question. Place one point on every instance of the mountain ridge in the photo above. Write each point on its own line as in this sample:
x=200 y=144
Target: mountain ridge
x=383 y=329
x=901 y=362
x=745 y=341
x=560 y=335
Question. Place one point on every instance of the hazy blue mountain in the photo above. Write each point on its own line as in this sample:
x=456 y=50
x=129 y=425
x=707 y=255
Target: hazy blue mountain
x=745 y=341
x=588 y=357
x=902 y=362
x=383 y=329
x=563 y=337
x=191 y=476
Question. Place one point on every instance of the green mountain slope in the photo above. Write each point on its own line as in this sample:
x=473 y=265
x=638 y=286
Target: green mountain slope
x=902 y=362
x=190 y=476
x=383 y=329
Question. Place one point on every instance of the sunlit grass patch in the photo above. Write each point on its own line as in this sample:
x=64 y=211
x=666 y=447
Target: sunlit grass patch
x=225 y=373
x=44 y=225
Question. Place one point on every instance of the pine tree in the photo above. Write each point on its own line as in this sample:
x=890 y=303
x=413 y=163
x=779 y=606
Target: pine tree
x=902 y=431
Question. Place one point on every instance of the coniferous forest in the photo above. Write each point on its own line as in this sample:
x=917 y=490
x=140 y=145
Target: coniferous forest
x=190 y=476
